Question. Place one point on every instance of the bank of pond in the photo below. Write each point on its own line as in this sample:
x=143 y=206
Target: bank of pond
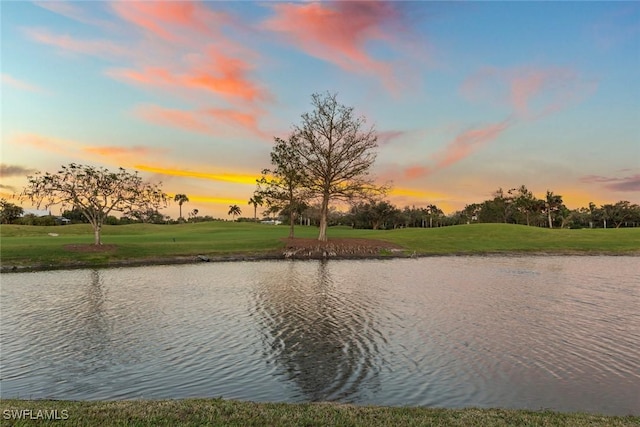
x=220 y=412
x=33 y=247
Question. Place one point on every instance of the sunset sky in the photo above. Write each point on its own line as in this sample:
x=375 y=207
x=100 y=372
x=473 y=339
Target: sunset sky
x=466 y=97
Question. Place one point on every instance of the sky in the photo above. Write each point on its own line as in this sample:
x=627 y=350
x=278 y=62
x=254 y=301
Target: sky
x=465 y=97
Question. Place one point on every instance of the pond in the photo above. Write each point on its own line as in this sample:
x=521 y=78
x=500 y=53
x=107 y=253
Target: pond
x=561 y=333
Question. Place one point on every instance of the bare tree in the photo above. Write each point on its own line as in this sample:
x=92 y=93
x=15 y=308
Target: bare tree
x=336 y=154
x=95 y=192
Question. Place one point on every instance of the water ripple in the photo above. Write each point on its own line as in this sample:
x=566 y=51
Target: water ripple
x=553 y=332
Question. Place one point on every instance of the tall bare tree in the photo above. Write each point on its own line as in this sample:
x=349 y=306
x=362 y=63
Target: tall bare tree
x=95 y=192
x=336 y=153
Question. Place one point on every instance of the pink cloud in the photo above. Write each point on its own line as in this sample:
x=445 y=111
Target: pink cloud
x=530 y=92
x=68 y=43
x=21 y=84
x=225 y=75
x=186 y=120
x=217 y=73
x=247 y=121
x=120 y=152
x=338 y=32
x=159 y=17
x=468 y=142
x=212 y=121
x=46 y=143
x=155 y=76
x=204 y=60
x=170 y=19
x=417 y=172
x=72 y=10
x=386 y=137
x=222 y=75
x=628 y=183
x=462 y=146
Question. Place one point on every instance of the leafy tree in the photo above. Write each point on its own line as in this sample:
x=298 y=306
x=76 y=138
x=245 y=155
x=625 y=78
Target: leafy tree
x=372 y=215
x=9 y=212
x=471 y=213
x=150 y=216
x=433 y=212
x=256 y=201
x=180 y=199
x=282 y=187
x=620 y=212
x=95 y=191
x=552 y=203
x=75 y=215
x=336 y=154
x=526 y=203
x=234 y=210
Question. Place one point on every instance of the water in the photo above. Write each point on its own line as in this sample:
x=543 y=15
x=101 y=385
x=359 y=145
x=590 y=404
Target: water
x=515 y=332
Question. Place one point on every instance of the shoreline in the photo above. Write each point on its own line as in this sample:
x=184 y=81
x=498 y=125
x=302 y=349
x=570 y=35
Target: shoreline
x=307 y=254
x=219 y=411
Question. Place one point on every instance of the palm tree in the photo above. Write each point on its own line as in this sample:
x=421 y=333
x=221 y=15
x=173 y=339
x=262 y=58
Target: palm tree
x=255 y=201
x=553 y=203
x=180 y=198
x=234 y=210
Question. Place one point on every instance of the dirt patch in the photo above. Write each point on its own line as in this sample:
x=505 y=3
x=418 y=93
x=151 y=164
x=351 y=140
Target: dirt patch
x=341 y=248
x=90 y=248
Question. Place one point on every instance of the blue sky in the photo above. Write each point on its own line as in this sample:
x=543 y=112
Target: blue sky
x=466 y=96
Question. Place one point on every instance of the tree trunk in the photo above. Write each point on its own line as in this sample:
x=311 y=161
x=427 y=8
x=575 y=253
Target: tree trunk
x=96 y=235
x=549 y=216
x=292 y=220
x=324 y=213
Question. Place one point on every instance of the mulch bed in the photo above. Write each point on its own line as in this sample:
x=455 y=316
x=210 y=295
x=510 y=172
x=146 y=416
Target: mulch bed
x=348 y=247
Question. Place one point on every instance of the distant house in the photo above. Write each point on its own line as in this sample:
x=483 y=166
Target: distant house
x=62 y=220
x=271 y=221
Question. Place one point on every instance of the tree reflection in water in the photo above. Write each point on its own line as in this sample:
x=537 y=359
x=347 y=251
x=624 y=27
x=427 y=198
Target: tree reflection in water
x=319 y=332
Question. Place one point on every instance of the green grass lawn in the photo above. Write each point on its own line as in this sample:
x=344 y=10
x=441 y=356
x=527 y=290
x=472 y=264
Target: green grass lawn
x=33 y=246
x=218 y=412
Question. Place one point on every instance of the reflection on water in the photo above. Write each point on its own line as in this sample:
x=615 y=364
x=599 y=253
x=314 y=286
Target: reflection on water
x=515 y=332
x=318 y=334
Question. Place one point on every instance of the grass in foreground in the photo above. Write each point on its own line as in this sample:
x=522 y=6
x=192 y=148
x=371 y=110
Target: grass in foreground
x=218 y=412
x=34 y=246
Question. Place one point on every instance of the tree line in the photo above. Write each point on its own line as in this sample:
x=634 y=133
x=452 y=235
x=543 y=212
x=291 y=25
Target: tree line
x=510 y=207
x=326 y=159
